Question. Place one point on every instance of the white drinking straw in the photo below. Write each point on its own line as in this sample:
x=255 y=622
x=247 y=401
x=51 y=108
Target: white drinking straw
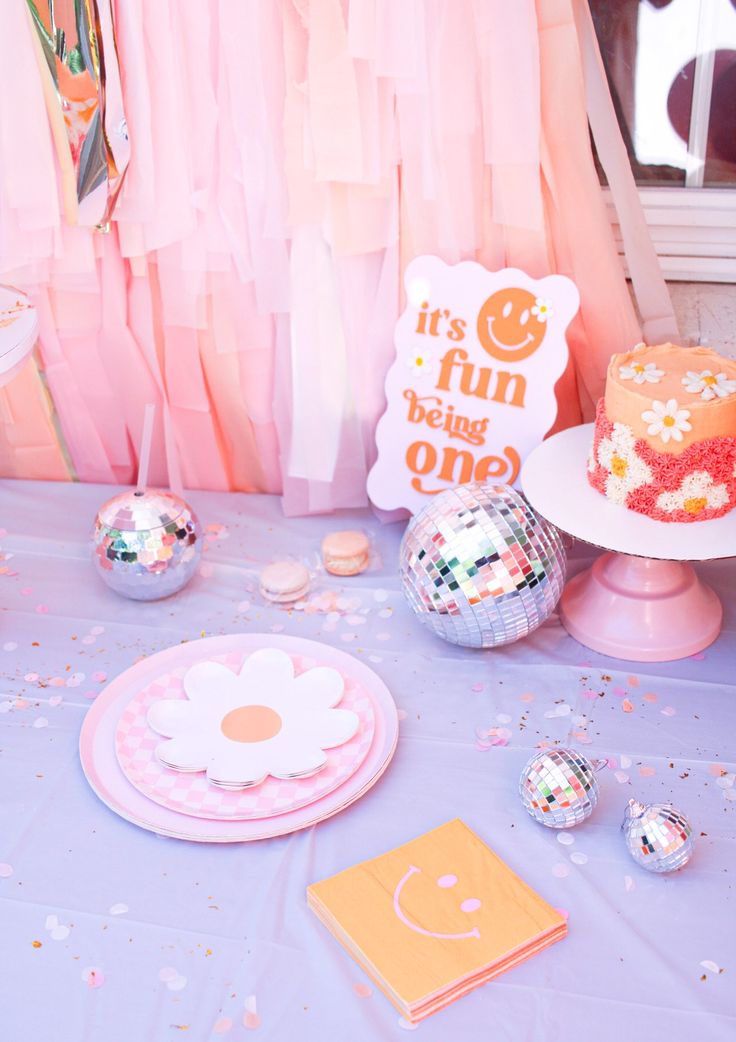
x=144 y=459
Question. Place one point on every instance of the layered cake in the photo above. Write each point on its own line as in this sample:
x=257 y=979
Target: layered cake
x=665 y=433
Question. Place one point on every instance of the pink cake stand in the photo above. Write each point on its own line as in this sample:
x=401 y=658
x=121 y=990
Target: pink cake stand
x=642 y=600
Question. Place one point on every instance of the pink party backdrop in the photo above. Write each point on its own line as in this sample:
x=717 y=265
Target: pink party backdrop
x=287 y=160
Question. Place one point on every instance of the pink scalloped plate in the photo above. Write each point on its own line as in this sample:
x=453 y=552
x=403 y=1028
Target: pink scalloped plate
x=191 y=793
x=106 y=777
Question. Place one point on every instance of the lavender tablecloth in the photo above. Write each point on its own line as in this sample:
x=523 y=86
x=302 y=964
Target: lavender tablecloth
x=113 y=934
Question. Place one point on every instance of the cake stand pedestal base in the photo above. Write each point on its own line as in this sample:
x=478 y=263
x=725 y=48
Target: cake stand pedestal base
x=641 y=609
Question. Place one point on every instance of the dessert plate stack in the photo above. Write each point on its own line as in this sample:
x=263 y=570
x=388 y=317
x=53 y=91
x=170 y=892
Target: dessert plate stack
x=240 y=737
x=18 y=332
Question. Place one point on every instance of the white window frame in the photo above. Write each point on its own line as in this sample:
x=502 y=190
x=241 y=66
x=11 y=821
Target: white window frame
x=693 y=230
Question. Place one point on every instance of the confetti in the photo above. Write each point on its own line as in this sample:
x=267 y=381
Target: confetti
x=621 y=777
x=42 y=609
x=646 y=771
x=6 y=870
x=118 y=909
x=710 y=966
x=99 y=677
x=406 y=1025
x=97 y=630
x=380 y=595
x=55 y=701
x=401 y=713
x=478 y=687
x=527 y=697
x=563 y=709
x=10 y=646
x=363 y=991
x=625 y=760
x=668 y=711
x=503 y=718
x=565 y=839
x=40 y=721
x=579 y=858
x=244 y=606
x=93 y=976
x=560 y=870
x=222 y=1026
x=627 y=706
x=629 y=884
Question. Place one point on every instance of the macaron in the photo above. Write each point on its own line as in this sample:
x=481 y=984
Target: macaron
x=284 y=581
x=346 y=553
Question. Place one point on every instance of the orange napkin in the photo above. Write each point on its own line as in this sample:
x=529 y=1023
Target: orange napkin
x=434 y=918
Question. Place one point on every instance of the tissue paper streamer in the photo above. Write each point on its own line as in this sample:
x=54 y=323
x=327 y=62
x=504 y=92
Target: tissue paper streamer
x=286 y=162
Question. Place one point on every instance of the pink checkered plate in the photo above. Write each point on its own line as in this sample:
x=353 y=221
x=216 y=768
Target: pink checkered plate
x=190 y=793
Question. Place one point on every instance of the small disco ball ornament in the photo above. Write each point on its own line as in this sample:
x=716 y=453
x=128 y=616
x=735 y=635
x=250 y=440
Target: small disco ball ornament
x=146 y=544
x=479 y=567
x=559 y=787
x=658 y=836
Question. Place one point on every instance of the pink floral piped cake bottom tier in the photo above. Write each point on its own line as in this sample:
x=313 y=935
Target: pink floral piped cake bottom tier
x=699 y=484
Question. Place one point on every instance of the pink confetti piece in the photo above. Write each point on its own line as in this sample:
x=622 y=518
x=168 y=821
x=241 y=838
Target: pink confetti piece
x=363 y=991
x=89 y=639
x=560 y=870
x=55 y=700
x=612 y=762
x=621 y=777
x=477 y=687
x=26 y=591
x=633 y=681
x=620 y=691
x=6 y=870
x=385 y=613
x=650 y=697
x=355 y=620
x=90 y=694
x=99 y=677
x=57 y=682
x=647 y=772
x=31 y=678
x=715 y=769
x=20 y=703
x=699 y=657
x=251 y=1021
x=590 y=695
x=579 y=858
x=93 y=976
x=244 y=606
x=582 y=738
x=668 y=711
x=627 y=706
x=527 y=696
x=97 y=630
x=42 y=609
x=222 y=1026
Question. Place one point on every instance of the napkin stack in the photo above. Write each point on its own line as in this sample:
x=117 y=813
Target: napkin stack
x=435 y=918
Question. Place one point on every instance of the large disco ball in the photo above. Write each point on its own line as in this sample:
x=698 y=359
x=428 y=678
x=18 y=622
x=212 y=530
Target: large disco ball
x=480 y=567
x=146 y=544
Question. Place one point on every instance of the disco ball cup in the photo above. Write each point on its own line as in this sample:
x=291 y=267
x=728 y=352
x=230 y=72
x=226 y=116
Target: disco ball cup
x=559 y=788
x=479 y=567
x=659 y=837
x=146 y=544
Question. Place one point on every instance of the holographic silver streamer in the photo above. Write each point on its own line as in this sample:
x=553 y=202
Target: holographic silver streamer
x=479 y=567
x=146 y=544
x=559 y=788
x=658 y=836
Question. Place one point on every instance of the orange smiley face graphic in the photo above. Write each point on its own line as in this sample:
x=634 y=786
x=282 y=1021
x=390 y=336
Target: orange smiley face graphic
x=512 y=323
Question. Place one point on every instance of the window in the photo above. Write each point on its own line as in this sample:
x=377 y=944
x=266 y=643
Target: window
x=671 y=67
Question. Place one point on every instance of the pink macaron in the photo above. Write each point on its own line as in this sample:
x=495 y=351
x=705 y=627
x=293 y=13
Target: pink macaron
x=346 y=553
x=284 y=581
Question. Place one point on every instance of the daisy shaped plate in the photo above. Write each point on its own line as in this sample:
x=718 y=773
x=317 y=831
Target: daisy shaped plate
x=241 y=697
x=118 y=747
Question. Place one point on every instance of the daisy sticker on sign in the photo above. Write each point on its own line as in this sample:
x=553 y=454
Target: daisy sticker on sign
x=471 y=391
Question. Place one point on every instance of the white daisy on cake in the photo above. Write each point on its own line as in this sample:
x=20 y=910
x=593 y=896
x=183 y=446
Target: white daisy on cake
x=421 y=362
x=667 y=420
x=241 y=727
x=698 y=492
x=627 y=471
x=708 y=385
x=641 y=374
x=542 y=309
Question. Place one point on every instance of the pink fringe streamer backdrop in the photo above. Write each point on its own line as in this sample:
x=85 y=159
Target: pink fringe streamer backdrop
x=287 y=159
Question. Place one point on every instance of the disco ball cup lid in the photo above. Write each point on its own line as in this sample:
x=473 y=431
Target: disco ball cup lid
x=146 y=511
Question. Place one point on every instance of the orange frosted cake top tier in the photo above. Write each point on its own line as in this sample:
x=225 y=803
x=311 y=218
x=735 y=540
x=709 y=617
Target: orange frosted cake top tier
x=671 y=396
